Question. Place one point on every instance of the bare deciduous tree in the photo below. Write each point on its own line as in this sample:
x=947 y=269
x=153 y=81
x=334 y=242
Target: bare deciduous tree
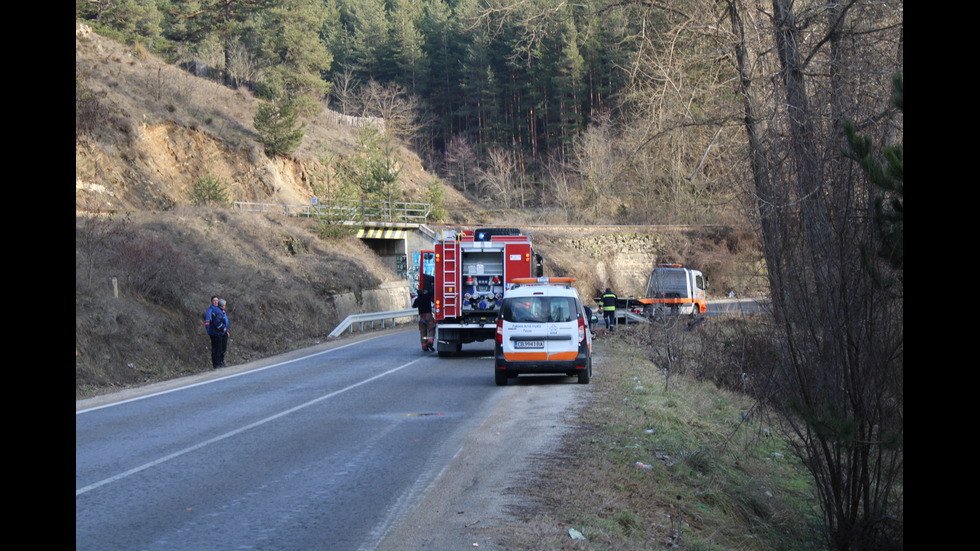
x=839 y=377
x=500 y=180
x=392 y=103
x=243 y=67
x=460 y=164
x=561 y=188
x=598 y=165
x=345 y=85
x=788 y=72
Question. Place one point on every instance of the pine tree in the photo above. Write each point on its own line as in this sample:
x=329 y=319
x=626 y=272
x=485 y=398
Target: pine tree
x=277 y=123
x=298 y=54
x=369 y=45
x=209 y=191
x=407 y=43
x=889 y=178
x=227 y=19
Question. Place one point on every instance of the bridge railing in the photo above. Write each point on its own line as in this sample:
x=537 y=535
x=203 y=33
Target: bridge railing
x=348 y=210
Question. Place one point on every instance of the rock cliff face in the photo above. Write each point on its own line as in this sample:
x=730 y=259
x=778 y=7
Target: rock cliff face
x=623 y=259
x=620 y=259
x=159 y=166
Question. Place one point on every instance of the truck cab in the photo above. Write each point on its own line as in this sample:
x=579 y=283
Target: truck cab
x=674 y=289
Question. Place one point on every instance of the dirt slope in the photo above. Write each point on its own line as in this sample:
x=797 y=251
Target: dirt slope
x=147 y=131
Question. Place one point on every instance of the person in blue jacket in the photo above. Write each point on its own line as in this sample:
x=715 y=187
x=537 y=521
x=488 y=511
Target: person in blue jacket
x=216 y=325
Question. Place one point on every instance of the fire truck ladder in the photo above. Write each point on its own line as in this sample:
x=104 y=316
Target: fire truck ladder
x=450 y=291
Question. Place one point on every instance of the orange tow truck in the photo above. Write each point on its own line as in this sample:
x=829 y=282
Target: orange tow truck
x=675 y=289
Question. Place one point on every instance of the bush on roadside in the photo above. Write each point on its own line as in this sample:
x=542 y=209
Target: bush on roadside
x=735 y=353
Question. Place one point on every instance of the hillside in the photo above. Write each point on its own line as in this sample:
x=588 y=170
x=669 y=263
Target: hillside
x=144 y=275
x=143 y=282
x=147 y=131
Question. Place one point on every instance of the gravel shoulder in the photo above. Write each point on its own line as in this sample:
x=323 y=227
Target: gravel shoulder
x=471 y=502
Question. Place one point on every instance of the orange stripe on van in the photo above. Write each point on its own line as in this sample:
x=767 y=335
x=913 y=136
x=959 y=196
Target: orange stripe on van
x=526 y=356
x=540 y=356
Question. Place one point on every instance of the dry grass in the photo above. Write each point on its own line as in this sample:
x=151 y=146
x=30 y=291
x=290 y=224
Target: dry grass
x=286 y=288
x=144 y=91
x=653 y=466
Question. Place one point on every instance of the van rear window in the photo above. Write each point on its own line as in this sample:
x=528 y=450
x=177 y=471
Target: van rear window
x=539 y=309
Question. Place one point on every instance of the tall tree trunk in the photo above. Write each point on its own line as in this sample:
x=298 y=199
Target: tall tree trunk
x=766 y=200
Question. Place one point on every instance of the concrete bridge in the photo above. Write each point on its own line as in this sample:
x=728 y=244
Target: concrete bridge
x=398 y=245
x=395 y=231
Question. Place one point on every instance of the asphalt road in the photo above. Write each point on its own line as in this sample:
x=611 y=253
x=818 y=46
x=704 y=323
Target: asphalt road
x=364 y=444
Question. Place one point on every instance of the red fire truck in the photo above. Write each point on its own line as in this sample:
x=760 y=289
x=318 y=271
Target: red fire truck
x=472 y=269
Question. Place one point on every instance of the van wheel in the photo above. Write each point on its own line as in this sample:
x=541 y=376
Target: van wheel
x=500 y=376
x=585 y=375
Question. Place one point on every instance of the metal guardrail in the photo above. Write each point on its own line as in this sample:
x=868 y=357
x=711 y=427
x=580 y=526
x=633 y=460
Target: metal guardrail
x=348 y=323
x=361 y=319
x=348 y=210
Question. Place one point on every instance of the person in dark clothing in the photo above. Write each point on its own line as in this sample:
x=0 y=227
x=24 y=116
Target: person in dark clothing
x=224 y=338
x=216 y=326
x=609 y=308
x=427 y=323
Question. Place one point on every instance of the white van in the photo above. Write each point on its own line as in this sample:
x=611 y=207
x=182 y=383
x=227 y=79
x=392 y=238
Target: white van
x=542 y=328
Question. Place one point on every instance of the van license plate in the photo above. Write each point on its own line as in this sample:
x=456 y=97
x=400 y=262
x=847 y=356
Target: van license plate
x=528 y=344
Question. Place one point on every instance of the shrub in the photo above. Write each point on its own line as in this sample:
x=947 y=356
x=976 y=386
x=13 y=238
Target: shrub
x=209 y=191
x=435 y=196
x=92 y=110
x=140 y=257
x=328 y=229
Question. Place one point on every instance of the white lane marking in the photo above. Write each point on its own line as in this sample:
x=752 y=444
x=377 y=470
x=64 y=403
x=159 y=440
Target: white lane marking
x=209 y=381
x=195 y=447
